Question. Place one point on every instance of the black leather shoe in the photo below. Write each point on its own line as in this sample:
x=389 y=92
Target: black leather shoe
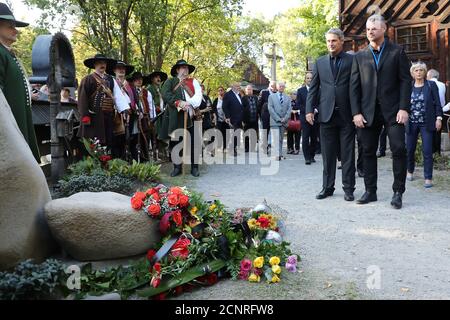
x=176 y=171
x=194 y=171
x=290 y=151
x=360 y=173
x=324 y=194
x=313 y=160
x=349 y=196
x=367 y=197
x=308 y=162
x=397 y=200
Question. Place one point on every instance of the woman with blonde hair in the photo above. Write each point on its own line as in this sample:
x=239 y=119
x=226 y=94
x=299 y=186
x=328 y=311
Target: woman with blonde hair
x=425 y=118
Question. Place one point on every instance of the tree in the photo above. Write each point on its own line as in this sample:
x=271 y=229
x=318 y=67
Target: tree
x=300 y=32
x=24 y=45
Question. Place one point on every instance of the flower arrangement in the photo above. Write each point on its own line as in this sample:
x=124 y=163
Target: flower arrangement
x=208 y=242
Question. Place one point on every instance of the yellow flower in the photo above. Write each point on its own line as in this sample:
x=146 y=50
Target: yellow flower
x=254 y=278
x=276 y=269
x=194 y=210
x=258 y=262
x=220 y=213
x=274 y=261
x=252 y=224
x=275 y=279
x=212 y=207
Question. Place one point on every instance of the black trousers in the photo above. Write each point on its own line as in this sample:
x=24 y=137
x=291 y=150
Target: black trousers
x=195 y=150
x=293 y=140
x=309 y=139
x=369 y=138
x=359 y=161
x=337 y=132
x=383 y=140
x=223 y=127
x=248 y=126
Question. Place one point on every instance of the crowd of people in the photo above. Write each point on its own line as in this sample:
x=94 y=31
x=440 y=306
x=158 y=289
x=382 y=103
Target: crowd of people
x=365 y=97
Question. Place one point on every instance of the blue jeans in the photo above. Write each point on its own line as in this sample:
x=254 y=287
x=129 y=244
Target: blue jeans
x=427 y=148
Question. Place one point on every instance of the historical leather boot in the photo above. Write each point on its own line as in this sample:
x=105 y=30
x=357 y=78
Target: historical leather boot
x=176 y=171
x=194 y=170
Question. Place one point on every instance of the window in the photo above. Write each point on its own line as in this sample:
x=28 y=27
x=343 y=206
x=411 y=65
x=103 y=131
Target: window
x=413 y=39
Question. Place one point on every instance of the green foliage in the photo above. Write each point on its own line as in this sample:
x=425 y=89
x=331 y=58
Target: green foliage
x=30 y=281
x=440 y=161
x=98 y=181
x=182 y=278
x=144 y=172
x=300 y=32
x=123 y=280
x=84 y=167
x=24 y=45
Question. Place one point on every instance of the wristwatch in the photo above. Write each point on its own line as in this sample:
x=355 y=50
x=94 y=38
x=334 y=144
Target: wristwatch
x=439 y=118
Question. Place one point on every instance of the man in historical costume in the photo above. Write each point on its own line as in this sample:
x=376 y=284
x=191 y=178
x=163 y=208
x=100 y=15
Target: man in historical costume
x=157 y=78
x=98 y=98
x=120 y=70
x=13 y=79
x=183 y=94
x=142 y=112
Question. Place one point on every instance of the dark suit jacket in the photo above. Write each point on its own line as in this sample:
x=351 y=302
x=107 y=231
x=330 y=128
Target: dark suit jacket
x=390 y=86
x=433 y=107
x=326 y=93
x=233 y=109
x=302 y=94
x=246 y=105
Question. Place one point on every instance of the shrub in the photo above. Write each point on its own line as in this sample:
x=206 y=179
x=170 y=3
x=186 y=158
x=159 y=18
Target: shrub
x=145 y=172
x=99 y=181
x=440 y=161
x=31 y=281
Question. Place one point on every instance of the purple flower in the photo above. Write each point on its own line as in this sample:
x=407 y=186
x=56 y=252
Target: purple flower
x=291 y=267
x=246 y=265
x=292 y=260
x=243 y=275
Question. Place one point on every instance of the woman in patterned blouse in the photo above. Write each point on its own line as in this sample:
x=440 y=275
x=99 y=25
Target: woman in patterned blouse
x=425 y=118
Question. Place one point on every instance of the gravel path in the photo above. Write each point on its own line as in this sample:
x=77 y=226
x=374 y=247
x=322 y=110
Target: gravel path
x=338 y=240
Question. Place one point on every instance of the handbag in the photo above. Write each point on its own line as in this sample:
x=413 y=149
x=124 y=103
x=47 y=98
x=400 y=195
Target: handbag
x=294 y=125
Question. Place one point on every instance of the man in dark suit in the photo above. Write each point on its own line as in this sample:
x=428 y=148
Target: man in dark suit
x=381 y=95
x=234 y=111
x=329 y=91
x=263 y=103
x=250 y=118
x=309 y=137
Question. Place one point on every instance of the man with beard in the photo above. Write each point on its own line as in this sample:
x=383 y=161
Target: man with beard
x=98 y=96
x=183 y=96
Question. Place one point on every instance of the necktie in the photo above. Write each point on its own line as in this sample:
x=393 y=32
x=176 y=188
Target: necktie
x=281 y=98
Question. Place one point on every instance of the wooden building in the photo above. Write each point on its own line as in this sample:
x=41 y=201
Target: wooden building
x=422 y=27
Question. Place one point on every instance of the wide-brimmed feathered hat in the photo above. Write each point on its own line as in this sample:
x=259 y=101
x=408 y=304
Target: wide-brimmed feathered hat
x=128 y=68
x=7 y=15
x=136 y=75
x=161 y=74
x=90 y=63
x=181 y=63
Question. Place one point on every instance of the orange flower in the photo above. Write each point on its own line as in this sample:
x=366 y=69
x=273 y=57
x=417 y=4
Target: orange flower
x=136 y=203
x=174 y=200
x=140 y=195
x=154 y=210
x=177 y=218
x=184 y=200
x=176 y=190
